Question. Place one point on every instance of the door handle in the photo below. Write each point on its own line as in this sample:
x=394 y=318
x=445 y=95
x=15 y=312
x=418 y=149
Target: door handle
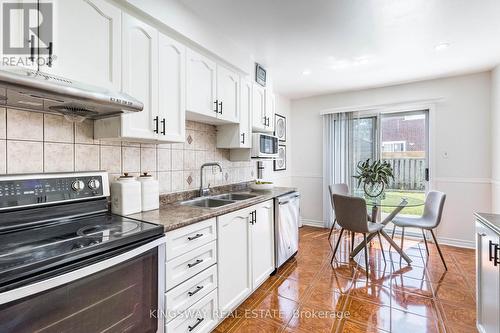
x=163 y=121
x=426 y=174
x=216 y=106
x=243 y=138
x=195 y=237
x=197 y=262
x=220 y=104
x=198 y=322
x=156 y=124
x=32 y=48
x=51 y=51
x=198 y=288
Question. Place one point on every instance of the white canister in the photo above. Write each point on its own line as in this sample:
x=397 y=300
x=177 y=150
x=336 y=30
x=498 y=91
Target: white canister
x=125 y=195
x=150 y=192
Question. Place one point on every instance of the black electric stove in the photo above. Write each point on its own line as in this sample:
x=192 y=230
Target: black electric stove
x=59 y=223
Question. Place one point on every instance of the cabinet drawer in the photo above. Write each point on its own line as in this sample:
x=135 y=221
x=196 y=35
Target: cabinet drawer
x=185 y=239
x=186 y=294
x=200 y=318
x=189 y=264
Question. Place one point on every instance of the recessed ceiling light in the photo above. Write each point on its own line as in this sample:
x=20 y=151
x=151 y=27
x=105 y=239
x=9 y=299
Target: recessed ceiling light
x=306 y=72
x=442 y=46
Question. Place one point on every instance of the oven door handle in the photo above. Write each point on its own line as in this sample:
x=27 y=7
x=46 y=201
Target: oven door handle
x=56 y=281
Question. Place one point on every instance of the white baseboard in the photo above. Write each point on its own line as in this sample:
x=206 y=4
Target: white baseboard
x=313 y=223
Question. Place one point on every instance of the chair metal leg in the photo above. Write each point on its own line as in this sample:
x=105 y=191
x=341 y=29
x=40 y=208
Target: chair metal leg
x=337 y=245
x=402 y=237
x=366 y=255
x=425 y=240
x=352 y=240
x=439 y=249
x=331 y=229
x=381 y=246
x=392 y=236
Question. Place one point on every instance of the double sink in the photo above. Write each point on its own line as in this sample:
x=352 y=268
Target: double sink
x=218 y=200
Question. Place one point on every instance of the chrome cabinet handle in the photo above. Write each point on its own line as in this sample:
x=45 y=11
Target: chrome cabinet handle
x=197 y=262
x=220 y=104
x=198 y=288
x=216 y=106
x=198 y=322
x=163 y=121
x=195 y=237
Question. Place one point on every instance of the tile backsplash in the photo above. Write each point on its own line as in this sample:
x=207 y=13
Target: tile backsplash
x=33 y=142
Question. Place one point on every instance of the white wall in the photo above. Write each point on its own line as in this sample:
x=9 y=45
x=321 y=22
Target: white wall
x=495 y=140
x=461 y=128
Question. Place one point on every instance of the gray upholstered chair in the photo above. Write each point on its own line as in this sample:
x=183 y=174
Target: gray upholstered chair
x=351 y=215
x=342 y=189
x=433 y=211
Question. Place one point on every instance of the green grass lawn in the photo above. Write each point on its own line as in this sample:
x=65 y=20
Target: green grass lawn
x=418 y=210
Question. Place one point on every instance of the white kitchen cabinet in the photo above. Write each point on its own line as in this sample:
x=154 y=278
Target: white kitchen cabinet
x=487 y=278
x=15 y=35
x=153 y=71
x=239 y=135
x=172 y=90
x=258 y=108
x=270 y=110
x=140 y=77
x=86 y=43
x=201 y=83
x=234 y=261
x=228 y=94
x=262 y=243
x=245 y=241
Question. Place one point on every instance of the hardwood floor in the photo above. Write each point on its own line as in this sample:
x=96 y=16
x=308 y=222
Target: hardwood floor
x=309 y=296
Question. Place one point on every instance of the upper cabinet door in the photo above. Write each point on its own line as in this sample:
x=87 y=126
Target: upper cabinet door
x=262 y=243
x=15 y=38
x=246 y=115
x=201 y=84
x=87 y=42
x=258 y=107
x=228 y=94
x=140 y=77
x=270 y=110
x=172 y=89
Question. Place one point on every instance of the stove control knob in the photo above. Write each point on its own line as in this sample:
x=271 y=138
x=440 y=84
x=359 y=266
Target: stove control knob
x=94 y=184
x=78 y=185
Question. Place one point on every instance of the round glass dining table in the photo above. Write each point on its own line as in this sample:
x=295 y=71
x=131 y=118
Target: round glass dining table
x=398 y=202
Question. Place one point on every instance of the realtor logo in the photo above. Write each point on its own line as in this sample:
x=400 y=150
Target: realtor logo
x=27 y=28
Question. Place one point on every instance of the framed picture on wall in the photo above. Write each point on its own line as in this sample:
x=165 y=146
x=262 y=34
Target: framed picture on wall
x=280 y=127
x=280 y=162
x=260 y=75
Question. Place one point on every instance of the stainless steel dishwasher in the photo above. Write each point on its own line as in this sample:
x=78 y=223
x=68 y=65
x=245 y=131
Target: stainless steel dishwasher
x=287 y=221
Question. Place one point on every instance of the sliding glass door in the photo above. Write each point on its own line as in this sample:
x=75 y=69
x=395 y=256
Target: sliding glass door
x=403 y=141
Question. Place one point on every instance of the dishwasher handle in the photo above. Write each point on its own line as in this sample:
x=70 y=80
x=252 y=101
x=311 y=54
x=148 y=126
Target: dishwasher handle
x=290 y=198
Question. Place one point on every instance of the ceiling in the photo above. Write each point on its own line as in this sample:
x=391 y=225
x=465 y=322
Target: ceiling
x=312 y=47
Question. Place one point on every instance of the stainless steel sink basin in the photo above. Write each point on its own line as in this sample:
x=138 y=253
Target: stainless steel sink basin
x=218 y=200
x=235 y=196
x=207 y=202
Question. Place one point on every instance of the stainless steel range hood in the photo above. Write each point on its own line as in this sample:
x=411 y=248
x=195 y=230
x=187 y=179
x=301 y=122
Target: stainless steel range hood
x=37 y=91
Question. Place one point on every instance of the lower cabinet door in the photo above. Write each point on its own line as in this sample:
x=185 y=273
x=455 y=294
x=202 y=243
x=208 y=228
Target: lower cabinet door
x=233 y=261
x=200 y=318
x=263 y=243
x=488 y=280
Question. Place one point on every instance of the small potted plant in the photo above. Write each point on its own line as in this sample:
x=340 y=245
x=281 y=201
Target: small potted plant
x=374 y=177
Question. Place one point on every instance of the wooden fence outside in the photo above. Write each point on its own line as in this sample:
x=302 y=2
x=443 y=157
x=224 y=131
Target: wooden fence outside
x=409 y=174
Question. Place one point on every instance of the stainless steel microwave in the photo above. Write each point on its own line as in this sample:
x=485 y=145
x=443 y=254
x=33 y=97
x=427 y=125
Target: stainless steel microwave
x=264 y=146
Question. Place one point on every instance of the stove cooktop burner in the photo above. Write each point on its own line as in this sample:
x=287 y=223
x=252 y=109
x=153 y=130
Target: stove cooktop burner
x=105 y=230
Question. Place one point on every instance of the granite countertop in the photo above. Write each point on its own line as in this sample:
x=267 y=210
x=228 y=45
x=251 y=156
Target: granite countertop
x=174 y=215
x=490 y=220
